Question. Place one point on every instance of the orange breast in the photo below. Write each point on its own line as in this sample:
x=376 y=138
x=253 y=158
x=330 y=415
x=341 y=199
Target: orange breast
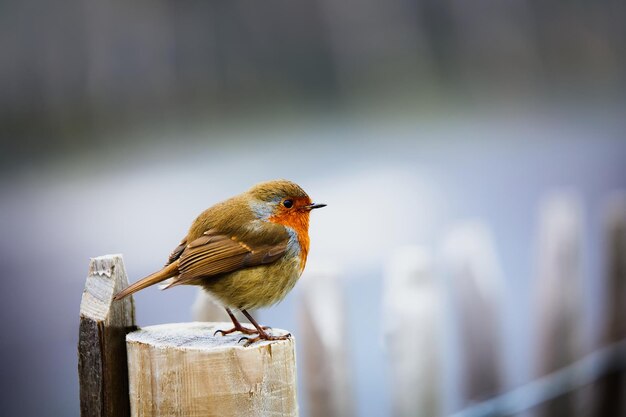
x=299 y=222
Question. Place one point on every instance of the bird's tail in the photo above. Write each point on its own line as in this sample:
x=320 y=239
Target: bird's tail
x=165 y=273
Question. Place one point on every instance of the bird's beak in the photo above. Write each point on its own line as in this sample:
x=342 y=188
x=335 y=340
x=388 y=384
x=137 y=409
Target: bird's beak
x=314 y=206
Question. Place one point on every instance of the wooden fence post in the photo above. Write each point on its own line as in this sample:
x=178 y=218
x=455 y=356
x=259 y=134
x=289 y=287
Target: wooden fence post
x=558 y=302
x=102 y=368
x=204 y=308
x=412 y=323
x=611 y=390
x=475 y=286
x=182 y=370
x=322 y=318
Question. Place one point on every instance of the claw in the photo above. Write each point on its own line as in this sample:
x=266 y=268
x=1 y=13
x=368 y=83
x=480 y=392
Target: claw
x=260 y=331
x=264 y=336
x=235 y=329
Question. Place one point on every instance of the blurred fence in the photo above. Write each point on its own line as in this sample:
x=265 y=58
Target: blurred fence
x=567 y=376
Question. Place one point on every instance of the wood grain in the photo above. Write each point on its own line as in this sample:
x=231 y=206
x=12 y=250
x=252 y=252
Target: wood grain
x=183 y=370
x=102 y=368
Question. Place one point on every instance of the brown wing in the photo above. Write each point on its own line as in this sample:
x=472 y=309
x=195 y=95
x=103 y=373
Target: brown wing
x=214 y=253
x=177 y=252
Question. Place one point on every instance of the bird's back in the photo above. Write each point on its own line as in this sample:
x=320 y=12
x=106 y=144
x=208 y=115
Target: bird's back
x=235 y=218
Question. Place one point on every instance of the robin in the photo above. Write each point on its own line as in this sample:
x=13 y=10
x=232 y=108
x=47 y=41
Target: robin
x=247 y=251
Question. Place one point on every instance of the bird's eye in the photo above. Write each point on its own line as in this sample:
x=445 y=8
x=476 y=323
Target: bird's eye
x=288 y=203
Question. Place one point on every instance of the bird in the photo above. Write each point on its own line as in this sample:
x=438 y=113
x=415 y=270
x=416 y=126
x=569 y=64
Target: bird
x=247 y=251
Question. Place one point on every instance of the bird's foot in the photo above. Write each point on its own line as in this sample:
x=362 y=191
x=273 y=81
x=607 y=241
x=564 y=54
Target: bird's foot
x=263 y=336
x=240 y=329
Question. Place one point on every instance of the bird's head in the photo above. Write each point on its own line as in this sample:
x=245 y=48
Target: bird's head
x=285 y=203
x=282 y=202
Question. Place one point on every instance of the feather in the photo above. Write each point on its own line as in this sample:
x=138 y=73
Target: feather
x=165 y=273
x=212 y=254
x=221 y=254
x=176 y=252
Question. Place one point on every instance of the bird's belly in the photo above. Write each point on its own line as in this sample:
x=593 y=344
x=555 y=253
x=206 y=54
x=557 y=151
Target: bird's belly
x=255 y=287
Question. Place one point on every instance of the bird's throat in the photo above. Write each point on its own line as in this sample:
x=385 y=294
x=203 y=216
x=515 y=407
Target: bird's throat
x=299 y=223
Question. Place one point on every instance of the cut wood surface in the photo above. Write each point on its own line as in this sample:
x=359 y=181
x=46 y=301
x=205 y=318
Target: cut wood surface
x=181 y=369
x=102 y=369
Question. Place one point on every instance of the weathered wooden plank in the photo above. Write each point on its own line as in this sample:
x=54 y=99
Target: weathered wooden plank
x=102 y=365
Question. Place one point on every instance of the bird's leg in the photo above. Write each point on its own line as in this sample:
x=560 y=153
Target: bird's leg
x=238 y=326
x=261 y=330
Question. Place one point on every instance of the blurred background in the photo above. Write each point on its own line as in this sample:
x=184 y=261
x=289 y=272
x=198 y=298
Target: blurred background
x=472 y=156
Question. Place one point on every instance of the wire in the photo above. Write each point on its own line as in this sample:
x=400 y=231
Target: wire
x=569 y=378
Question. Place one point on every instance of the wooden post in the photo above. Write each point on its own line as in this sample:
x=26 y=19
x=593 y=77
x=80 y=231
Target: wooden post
x=413 y=317
x=102 y=369
x=205 y=308
x=475 y=284
x=558 y=301
x=322 y=319
x=182 y=370
x=610 y=398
